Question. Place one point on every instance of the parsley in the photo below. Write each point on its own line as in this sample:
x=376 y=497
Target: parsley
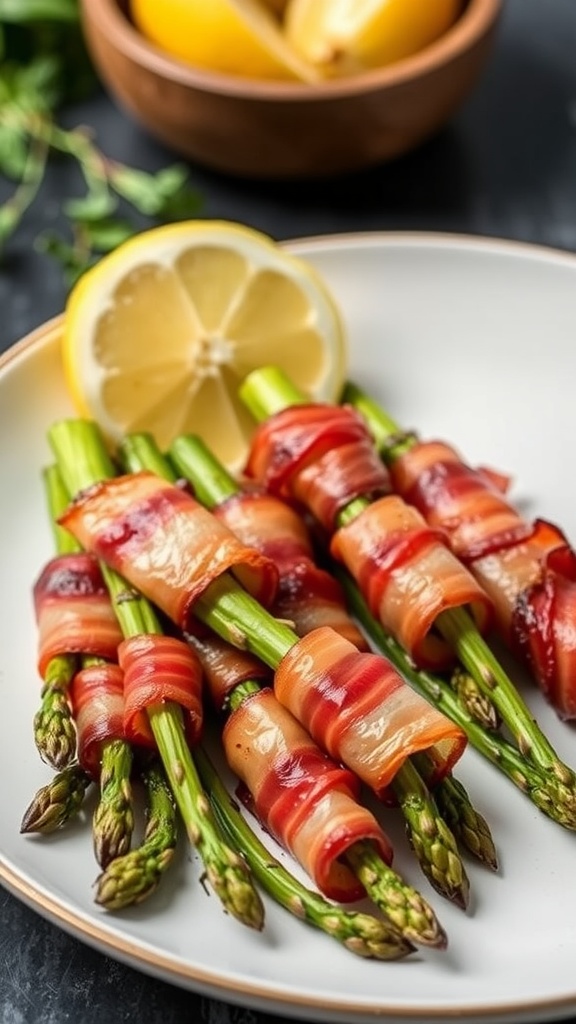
x=44 y=66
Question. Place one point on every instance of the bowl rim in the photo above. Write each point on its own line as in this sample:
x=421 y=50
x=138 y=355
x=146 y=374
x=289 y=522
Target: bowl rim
x=475 y=21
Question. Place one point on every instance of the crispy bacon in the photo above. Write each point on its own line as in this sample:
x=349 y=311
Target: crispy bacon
x=361 y=711
x=464 y=502
x=323 y=455
x=164 y=542
x=225 y=667
x=159 y=670
x=408 y=576
x=97 y=699
x=308 y=596
x=73 y=610
x=525 y=568
x=303 y=798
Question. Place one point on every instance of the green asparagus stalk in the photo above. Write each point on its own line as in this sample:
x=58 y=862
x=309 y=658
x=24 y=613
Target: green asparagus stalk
x=432 y=841
x=361 y=933
x=83 y=460
x=234 y=615
x=57 y=802
x=473 y=699
x=132 y=878
x=267 y=391
x=54 y=732
x=113 y=819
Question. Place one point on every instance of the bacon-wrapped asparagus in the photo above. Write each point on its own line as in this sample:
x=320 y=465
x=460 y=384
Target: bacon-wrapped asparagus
x=96 y=702
x=527 y=568
x=113 y=513
x=81 y=462
x=396 y=559
x=289 y=544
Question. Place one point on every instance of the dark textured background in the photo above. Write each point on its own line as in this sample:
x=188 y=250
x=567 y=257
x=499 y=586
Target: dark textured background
x=505 y=167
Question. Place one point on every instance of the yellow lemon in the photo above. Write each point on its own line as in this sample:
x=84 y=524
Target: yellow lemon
x=160 y=333
x=237 y=37
x=343 y=37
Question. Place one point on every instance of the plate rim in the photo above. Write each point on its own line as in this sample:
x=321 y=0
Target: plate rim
x=256 y=995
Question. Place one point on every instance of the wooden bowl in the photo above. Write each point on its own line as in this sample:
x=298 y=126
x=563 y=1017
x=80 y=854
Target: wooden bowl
x=265 y=129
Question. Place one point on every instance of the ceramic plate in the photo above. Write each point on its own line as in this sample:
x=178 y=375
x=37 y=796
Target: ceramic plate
x=461 y=338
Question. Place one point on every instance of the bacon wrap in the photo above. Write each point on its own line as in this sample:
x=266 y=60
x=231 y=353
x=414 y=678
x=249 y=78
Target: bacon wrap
x=544 y=630
x=408 y=576
x=525 y=568
x=225 y=667
x=159 y=670
x=323 y=455
x=160 y=539
x=73 y=610
x=361 y=711
x=308 y=596
x=468 y=504
x=307 y=802
x=97 y=699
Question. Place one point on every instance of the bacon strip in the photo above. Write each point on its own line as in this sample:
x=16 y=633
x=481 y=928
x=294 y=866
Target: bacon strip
x=224 y=667
x=97 y=699
x=525 y=568
x=361 y=711
x=159 y=670
x=164 y=542
x=307 y=802
x=323 y=455
x=308 y=596
x=408 y=576
x=73 y=610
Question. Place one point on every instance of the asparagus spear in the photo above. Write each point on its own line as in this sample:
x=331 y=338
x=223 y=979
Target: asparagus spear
x=361 y=933
x=234 y=615
x=83 y=460
x=133 y=877
x=54 y=732
x=113 y=819
x=431 y=839
x=268 y=391
x=57 y=802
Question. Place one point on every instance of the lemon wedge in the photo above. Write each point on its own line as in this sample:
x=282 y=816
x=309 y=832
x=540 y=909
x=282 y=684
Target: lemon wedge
x=341 y=37
x=160 y=333
x=237 y=37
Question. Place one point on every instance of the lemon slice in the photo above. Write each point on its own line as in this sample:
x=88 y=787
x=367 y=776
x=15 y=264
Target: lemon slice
x=159 y=334
x=347 y=36
x=238 y=37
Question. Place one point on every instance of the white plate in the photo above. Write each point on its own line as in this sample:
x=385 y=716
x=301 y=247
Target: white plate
x=467 y=339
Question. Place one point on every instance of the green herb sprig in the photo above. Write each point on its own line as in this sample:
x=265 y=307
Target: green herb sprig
x=44 y=67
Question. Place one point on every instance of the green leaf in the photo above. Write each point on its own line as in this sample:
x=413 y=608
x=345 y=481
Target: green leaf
x=13 y=152
x=92 y=207
x=107 y=234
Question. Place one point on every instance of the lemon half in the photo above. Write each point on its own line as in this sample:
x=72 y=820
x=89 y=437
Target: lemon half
x=159 y=334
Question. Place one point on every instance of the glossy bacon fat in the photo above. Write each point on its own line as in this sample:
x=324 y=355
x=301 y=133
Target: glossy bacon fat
x=97 y=699
x=308 y=596
x=526 y=568
x=73 y=610
x=304 y=799
x=159 y=538
x=159 y=670
x=323 y=455
x=360 y=710
x=408 y=576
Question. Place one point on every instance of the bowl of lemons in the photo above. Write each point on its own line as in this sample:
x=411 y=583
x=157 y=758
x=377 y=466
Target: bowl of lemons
x=290 y=88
